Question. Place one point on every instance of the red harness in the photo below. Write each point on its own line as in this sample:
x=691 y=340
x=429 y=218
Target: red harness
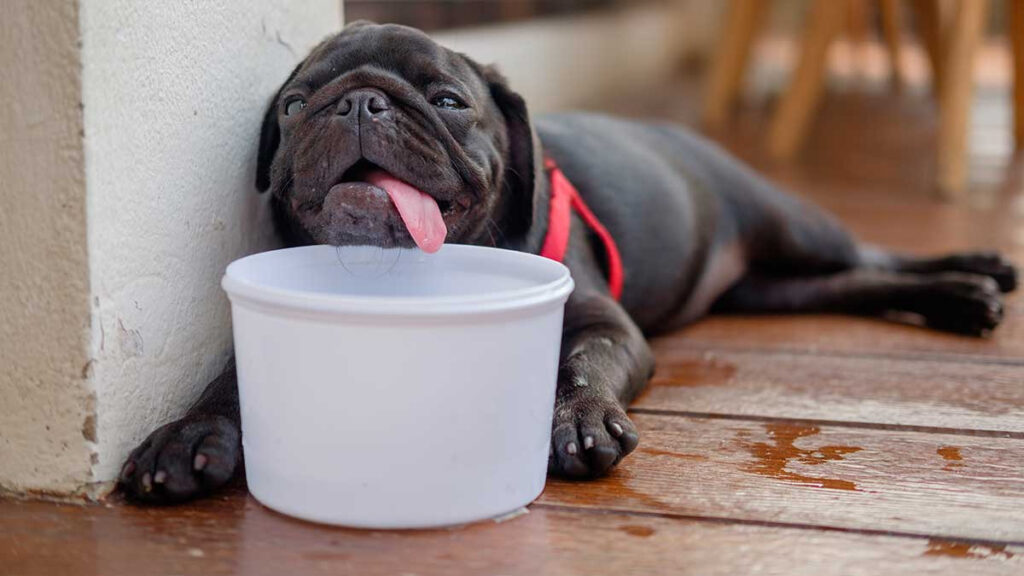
x=564 y=199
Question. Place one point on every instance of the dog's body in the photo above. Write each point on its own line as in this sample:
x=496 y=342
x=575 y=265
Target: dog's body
x=695 y=229
x=687 y=217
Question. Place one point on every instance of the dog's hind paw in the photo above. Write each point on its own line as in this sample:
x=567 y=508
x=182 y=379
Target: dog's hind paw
x=989 y=264
x=182 y=460
x=589 y=437
x=963 y=303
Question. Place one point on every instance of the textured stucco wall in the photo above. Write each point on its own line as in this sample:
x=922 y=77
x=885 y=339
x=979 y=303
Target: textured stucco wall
x=174 y=94
x=45 y=400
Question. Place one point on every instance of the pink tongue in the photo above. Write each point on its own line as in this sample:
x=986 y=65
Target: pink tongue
x=419 y=211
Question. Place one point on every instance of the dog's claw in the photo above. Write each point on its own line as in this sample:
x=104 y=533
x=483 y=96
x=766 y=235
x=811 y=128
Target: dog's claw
x=147 y=482
x=200 y=462
x=160 y=477
x=597 y=425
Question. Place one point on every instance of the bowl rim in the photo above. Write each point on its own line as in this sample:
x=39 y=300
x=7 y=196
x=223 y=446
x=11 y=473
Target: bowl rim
x=555 y=292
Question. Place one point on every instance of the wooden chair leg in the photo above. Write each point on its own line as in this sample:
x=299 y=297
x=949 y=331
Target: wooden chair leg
x=1016 y=26
x=742 y=21
x=789 y=125
x=892 y=25
x=858 y=21
x=930 y=27
x=957 y=90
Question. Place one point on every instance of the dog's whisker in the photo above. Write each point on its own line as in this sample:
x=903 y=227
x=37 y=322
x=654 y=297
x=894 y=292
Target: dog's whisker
x=491 y=226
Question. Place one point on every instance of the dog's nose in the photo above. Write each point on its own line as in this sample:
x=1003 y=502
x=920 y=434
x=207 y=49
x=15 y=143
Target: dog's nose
x=364 y=102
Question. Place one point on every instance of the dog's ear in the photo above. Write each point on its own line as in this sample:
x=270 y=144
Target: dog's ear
x=524 y=162
x=270 y=137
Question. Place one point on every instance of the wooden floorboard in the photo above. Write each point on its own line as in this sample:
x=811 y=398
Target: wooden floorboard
x=235 y=535
x=972 y=397
x=811 y=475
x=854 y=336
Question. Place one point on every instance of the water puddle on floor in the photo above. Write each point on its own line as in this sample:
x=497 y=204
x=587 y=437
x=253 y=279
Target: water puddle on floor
x=638 y=531
x=709 y=371
x=939 y=547
x=952 y=456
x=773 y=457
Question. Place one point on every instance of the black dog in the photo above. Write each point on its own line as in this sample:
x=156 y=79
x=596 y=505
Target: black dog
x=452 y=156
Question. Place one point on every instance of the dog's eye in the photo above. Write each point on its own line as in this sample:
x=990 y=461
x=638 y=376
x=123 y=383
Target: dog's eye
x=293 y=106
x=448 y=102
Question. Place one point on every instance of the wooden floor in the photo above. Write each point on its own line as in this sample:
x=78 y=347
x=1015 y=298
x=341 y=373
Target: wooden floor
x=770 y=445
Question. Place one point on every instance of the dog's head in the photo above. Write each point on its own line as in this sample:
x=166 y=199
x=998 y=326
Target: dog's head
x=383 y=137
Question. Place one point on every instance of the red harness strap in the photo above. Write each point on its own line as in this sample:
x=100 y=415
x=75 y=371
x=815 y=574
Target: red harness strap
x=564 y=199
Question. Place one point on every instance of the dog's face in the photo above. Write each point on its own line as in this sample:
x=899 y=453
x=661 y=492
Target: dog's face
x=383 y=137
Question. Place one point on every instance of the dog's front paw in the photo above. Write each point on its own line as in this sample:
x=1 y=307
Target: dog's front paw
x=183 y=460
x=590 y=435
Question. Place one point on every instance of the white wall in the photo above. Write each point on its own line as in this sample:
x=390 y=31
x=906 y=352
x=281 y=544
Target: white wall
x=174 y=93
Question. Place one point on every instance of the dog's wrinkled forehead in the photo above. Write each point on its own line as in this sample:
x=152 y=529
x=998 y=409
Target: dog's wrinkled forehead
x=399 y=50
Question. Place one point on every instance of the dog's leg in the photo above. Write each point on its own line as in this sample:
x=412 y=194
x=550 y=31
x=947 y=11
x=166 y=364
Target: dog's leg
x=786 y=236
x=953 y=301
x=605 y=363
x=192 y=456
x=801 y=259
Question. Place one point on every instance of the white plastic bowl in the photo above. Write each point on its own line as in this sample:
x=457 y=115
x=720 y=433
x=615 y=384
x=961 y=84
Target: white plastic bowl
x=396 y=389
